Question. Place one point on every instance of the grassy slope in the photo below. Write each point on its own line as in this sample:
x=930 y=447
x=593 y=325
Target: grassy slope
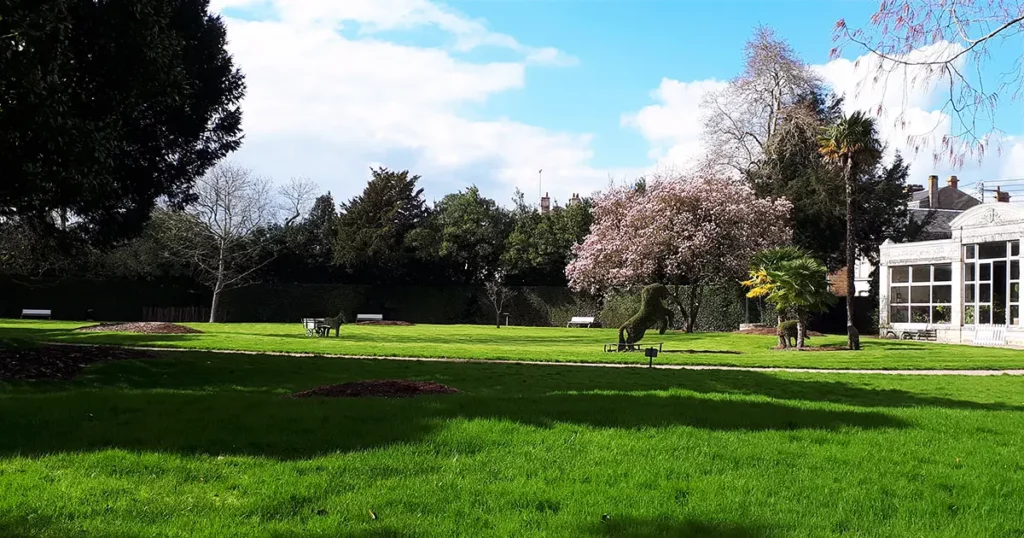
x=539 y=344
x=203 y=445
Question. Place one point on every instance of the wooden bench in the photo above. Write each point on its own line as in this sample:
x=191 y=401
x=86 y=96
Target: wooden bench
x=922 y=334
x=580 y=321
x=369 y=317
x=36 y=313
x=316 y=326
x=639 y=346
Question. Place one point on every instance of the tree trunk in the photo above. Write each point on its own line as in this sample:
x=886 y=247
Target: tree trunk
x=851 y=252
x=691 y=320
x=678 y=301
x=800 y=331
x=497 y=318
x=783 y=339
x=215 y=304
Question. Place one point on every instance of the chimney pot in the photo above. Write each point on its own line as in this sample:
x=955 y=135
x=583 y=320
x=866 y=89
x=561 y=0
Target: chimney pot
x=933 y=192
x=952 y=182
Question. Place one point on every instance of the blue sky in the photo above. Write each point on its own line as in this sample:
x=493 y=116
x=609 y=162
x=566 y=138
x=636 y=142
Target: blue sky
x=486 y=92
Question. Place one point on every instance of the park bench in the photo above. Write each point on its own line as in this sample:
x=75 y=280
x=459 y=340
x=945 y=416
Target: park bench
x=316 y=326
x=639 y=346
x=580 y=321
x=35 y=313
x=922 y=334
x=369 y=317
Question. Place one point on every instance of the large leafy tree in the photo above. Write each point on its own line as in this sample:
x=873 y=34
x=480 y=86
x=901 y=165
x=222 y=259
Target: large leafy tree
x=471 y=231
x=694 y=229
x=851 y=145
x=539 y=245
x=373 y=239
x=106 y=107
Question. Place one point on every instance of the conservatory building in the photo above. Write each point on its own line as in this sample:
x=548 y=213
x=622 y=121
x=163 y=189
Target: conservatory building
x=964 y=289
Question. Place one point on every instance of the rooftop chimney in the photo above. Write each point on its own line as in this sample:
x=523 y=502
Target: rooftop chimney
x=1002 y=196
x=933 y=192
x=952 y=182
x=545 y=204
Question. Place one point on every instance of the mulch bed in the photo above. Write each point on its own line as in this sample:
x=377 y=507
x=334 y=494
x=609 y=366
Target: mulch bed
x=58 y=362
x=386 y=322
x=771 y=331
x=381 y=388
x=814 y=348
x=147 y=327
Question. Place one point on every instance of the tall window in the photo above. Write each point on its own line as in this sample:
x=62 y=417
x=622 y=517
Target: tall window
x=921 y=293
x=992 y=283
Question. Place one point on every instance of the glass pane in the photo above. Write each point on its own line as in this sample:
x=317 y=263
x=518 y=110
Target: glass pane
x=969 y=272
x=1015 y=315
x=899 y=294
x=990 y=251
x=969 y=315
x=919 y=314
x=922 y=273
x=942 y=294
x=901 y=274
x=920 y=294
x=986 y=272
x=969 y=293
x=984 y=314
x=1014 y=248
x=1014 y=270
x=1015 y=292
x=898 y=314
x=969 y=252
x=984 y=293
x=941 y=314
x=943 y=273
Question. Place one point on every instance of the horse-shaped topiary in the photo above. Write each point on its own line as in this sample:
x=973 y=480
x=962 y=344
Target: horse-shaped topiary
x=652 y=312
x=335 y=323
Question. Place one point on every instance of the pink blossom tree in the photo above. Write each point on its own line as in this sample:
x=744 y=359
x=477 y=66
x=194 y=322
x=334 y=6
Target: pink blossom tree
x=681 y=229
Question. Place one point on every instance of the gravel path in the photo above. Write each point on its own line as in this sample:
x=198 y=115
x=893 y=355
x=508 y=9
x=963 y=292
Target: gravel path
x=975 y=373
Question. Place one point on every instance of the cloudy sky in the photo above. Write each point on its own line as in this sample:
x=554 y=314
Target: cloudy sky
x=487 y=92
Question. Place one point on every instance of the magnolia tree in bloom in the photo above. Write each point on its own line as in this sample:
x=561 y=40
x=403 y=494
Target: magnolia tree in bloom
x=681 y=229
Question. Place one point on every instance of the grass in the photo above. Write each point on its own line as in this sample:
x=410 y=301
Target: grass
x=206 y=445
x=536 y=344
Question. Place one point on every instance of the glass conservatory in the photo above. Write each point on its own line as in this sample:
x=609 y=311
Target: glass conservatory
x=965 y=289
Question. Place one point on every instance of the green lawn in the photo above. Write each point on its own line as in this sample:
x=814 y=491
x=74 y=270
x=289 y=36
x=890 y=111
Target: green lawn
x=536 y=344
x=197 y=444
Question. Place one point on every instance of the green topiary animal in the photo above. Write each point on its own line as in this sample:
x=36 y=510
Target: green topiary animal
x=787 y=333
x=335 y=323
x=652 y=312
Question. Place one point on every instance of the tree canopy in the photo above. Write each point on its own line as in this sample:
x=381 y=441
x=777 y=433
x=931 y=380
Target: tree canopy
x=106 y=107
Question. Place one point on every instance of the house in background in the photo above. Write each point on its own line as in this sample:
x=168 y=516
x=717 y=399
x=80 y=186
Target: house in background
x=935 y=208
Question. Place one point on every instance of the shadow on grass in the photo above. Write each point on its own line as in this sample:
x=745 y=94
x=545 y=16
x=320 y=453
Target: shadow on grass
x=670 y=528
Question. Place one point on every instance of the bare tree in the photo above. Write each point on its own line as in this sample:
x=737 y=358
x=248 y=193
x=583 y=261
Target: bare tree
x=946 y=43
x=498 y=294
x=220 y=235
x=742 y=120
x=297 y=197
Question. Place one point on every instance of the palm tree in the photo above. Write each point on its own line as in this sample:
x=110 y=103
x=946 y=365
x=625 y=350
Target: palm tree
x=851 y=145
x=791 y=280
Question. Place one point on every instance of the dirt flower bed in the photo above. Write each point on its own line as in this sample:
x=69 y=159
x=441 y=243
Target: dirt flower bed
x=58 y=362
x=381 y=388
x=147 y=327
x=386 y=322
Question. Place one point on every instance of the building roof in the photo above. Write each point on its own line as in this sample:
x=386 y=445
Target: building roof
x=936 y=223
x=948 y=198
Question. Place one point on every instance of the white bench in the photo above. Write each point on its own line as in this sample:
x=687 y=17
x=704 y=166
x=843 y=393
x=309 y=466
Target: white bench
x=990 y=335
x=369 y=317
x=580 y=321
x=35 y=313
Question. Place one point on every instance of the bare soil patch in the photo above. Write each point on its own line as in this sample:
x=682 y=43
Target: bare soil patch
x=813 y=348
x=145 y=327
x=771 y=331
x=58 y=362
x=381 y=388
x=386 y=322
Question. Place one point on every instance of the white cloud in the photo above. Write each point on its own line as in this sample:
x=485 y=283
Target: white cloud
x=673 y=124
x=328 y=106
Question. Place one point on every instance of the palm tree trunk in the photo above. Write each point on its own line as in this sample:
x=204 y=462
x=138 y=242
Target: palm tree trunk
x=851 y=251
x=800 y=330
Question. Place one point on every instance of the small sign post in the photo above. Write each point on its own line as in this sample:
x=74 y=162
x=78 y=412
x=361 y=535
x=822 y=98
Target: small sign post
x=651 y=353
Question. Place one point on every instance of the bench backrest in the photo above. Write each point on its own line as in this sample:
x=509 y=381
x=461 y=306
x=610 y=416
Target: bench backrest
x=369 y=317
x=577 y=319
x=35 y=312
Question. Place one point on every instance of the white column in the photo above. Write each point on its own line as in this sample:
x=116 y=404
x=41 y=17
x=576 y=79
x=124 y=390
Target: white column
x=883 y=293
